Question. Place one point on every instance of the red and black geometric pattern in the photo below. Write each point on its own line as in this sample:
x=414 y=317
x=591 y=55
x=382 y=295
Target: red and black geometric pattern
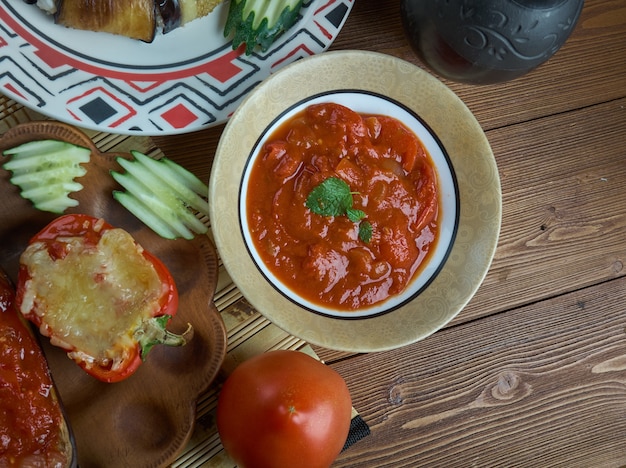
x=88 y=90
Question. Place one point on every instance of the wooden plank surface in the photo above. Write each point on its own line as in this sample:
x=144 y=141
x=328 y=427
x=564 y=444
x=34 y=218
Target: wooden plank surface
x=544 y=385
x=563 y=214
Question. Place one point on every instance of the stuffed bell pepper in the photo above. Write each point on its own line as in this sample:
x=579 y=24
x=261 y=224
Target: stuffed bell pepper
x=97 y=294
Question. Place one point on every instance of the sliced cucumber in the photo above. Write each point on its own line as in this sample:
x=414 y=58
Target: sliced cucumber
x=163 y=195
x=189 y=179
x=45 y=170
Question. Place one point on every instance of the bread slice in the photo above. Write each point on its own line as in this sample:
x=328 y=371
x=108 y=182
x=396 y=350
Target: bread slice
x=193 y=9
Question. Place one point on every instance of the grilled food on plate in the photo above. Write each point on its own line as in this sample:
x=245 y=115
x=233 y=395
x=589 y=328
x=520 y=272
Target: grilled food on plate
x=250 y=22
x=137 y=19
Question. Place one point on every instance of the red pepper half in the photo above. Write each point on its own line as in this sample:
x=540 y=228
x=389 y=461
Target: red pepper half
x=97 y=294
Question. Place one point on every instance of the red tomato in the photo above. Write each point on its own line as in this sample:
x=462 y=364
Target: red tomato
x=284 y=409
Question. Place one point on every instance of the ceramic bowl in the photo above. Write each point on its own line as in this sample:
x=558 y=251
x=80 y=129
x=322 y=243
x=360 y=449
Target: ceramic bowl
x=367 y=103
x=470 y=199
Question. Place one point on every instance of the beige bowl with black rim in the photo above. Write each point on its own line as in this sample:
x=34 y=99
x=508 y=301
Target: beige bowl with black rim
x=470 y=197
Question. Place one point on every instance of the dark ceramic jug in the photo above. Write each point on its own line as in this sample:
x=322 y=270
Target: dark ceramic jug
x=487 y=41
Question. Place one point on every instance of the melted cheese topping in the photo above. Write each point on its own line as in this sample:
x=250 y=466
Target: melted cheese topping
x=95 y=297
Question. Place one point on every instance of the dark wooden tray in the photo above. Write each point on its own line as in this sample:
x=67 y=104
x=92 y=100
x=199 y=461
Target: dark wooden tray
x=147 y=419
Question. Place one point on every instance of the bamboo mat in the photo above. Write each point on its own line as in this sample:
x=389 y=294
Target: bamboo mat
x=248 y=332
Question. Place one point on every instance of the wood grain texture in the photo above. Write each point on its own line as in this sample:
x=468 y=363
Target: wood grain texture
x=542 y=386
x=563 y=219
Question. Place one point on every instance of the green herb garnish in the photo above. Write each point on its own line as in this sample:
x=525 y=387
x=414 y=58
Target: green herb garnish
x=330 y=198
x=333 y=197
x=365 y=231
x=355 y=215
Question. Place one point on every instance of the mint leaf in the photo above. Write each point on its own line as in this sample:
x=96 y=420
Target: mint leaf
x=333 y=197
x=330 y=198
x=355 y=215
x=365 y=231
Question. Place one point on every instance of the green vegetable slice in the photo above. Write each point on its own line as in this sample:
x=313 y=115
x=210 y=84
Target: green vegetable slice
x=365 y=231
x=260 y=22
x=163 y=195
x=45 y=170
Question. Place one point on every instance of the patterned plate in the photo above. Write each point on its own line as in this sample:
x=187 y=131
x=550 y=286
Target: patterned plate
x=183 y=81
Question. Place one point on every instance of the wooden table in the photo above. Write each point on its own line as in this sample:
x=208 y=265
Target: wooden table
x=533 y=371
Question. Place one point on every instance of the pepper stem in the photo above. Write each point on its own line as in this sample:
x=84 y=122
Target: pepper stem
x=153 y=332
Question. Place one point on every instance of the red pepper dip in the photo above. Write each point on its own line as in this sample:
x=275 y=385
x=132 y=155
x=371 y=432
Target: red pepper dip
x=31 y=422
x=393 y=182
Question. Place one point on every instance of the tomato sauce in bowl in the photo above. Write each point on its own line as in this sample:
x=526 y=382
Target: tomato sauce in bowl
x=342 y=262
